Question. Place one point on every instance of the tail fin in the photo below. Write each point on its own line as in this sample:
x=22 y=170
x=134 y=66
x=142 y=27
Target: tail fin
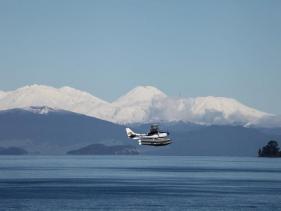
x=130 y=133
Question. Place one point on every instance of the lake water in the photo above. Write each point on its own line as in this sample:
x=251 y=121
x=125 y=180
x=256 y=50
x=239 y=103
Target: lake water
x=139 y=183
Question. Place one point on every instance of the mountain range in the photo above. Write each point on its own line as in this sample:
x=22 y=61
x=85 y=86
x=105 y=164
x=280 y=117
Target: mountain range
x=40 y=119
x=142 y=104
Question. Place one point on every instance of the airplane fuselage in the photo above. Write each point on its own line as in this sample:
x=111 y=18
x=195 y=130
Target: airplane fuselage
x=154 y=136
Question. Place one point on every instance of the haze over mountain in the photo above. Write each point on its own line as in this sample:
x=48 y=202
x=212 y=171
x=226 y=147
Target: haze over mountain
x=141 y=105
x=45 y=130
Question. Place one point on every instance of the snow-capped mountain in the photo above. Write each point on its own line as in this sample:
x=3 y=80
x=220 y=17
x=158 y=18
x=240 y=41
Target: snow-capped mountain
x=142 y=95
x=205 y=110
x=136 y=104
x=142 y=104
x=65 y=98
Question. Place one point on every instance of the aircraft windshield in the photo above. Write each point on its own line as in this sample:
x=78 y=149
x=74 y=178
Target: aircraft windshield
x=153 y=129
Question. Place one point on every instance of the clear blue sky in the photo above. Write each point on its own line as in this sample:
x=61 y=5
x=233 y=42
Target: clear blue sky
x=193 y=48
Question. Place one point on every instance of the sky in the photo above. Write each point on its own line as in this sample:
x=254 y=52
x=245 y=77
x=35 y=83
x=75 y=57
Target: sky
x=229 y=48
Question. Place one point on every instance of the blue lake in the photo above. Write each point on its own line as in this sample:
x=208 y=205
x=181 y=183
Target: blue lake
x=139 y=183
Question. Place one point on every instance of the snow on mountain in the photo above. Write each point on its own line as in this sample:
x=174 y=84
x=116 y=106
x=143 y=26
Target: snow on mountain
x=204 y=110
x=140 y=95
x=231 y=110
x=2 y=94
x=135 y=105
x=149 y=104
x=268 y=121
x=40 y=109
x=142 y=104
x=63 y=98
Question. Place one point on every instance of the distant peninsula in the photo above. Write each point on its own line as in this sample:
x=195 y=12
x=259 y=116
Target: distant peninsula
x=101 y=149
x=270 y=150
x=12 y=151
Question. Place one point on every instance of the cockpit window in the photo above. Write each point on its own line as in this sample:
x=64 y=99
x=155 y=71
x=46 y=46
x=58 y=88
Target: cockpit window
x=154 y=129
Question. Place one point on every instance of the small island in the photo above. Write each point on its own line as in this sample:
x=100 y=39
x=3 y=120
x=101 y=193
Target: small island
x=12 y=151
x=100 y=149
x=270 y=150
